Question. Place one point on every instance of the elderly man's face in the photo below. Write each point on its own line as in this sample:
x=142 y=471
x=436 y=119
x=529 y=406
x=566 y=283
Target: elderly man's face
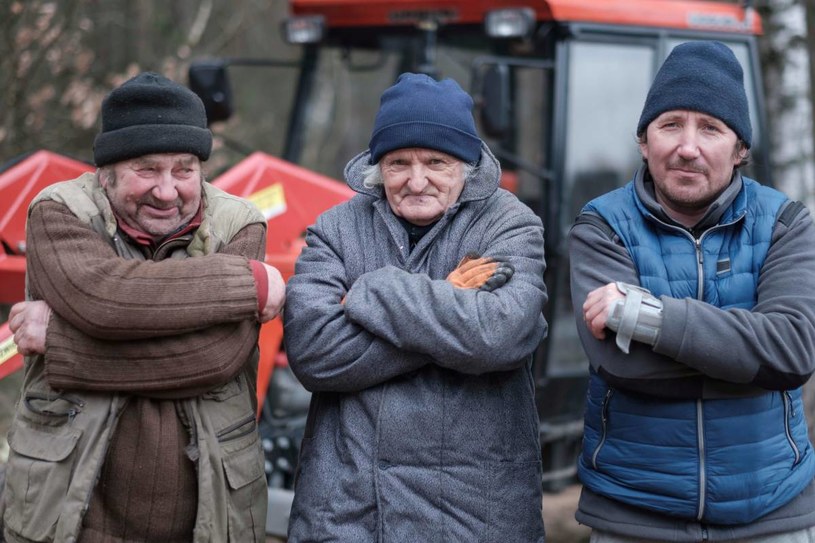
x=420 y=184
x=155 y=194
x=691 y=157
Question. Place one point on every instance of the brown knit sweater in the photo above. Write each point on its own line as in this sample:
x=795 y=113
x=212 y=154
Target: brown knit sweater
x=155 y=331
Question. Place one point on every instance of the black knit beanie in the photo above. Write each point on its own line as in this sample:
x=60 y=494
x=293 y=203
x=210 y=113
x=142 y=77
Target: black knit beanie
x=418 y=111
x=151 y=114
x=702 y=76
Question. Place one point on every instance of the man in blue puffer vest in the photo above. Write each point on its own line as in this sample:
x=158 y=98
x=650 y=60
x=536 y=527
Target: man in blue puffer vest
x=694 y=300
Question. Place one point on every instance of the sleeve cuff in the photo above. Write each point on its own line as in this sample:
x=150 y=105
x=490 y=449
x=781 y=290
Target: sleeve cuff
x=261 y=283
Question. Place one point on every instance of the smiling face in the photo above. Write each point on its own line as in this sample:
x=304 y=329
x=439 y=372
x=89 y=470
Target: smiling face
x=155 y=194
x=691 y=157
x=420 y=184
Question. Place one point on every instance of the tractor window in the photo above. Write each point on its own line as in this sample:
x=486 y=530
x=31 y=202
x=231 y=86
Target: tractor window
x=607 y=85
x=346 y=93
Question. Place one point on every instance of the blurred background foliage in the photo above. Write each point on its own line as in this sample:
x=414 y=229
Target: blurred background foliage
x=59 y=59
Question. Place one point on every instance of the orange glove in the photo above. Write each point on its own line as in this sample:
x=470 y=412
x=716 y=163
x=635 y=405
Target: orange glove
x=481 y=273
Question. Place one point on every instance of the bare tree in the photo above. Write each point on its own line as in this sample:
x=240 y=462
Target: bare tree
x=59 y=59
x=785 y=59
x=43 y=68
x=809 y=10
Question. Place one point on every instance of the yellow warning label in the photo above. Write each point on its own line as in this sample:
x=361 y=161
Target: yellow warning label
x=271 y=201
x=7 y=350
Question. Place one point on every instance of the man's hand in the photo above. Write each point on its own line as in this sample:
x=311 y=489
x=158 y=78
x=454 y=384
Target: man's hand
x=28 y=321
x=630 y=310
x=276 y=296
x=481 y=273
x=597 y=307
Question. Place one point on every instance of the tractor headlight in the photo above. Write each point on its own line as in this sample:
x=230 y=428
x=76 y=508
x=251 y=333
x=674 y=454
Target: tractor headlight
x=510 y=22
x=305 y=29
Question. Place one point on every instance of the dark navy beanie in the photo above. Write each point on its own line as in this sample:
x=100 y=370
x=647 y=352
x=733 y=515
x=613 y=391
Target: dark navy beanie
x=702 y=76
x=151 y=114
x=418 y=111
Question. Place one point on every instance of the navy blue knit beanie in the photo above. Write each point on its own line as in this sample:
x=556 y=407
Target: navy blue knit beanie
x=702 y=76
x=418 y=111
x=151 y=114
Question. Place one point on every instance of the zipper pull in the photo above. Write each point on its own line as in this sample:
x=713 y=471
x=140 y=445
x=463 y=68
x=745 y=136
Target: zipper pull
x=606 y=401
x=790 y=403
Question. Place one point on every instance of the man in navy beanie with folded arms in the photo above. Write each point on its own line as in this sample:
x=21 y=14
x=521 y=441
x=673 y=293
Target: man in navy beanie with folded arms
x=693 y=294
x=412 y=317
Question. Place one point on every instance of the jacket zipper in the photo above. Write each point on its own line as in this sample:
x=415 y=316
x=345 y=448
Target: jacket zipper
x=700 y=437
x=700 y=419
x=606 y=402
x=700 y=268
x=789 y=413
x=697 y=243
x=700 y=295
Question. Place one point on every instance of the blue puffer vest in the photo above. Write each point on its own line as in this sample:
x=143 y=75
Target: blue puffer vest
x=726 y=461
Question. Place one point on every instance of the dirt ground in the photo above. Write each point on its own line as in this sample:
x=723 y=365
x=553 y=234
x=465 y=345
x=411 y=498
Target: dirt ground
x=558 y=517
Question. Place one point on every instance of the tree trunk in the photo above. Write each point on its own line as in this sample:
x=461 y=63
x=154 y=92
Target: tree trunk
x=809 y=10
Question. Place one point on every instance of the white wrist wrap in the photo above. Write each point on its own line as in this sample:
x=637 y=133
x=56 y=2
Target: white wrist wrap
x=638 y=316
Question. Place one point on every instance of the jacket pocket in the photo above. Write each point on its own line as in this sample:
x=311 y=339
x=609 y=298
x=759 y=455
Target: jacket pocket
x=243 y=466
x=38 y=475
x=50 y=409
x=790 y=415
x=604 y=420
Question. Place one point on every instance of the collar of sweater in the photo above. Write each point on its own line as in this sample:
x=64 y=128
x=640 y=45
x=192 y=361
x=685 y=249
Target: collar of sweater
x=148 y=240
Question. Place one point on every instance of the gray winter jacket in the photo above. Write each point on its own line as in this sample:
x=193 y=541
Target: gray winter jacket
x=423 y=424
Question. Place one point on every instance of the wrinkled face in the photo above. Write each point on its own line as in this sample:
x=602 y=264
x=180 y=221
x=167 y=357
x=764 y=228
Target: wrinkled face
x=691 y=157
x=157 y=193
x=420 y=184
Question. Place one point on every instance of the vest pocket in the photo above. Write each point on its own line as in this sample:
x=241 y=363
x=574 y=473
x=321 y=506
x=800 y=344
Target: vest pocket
x=51 y=410
x=243 y=466
x=789 y=416
x=38 y=475
x=604 y=412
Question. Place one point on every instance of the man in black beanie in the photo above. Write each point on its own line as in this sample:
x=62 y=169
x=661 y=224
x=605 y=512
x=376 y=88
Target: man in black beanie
x=693 y=297
x=406 y=321
x=146 y=288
